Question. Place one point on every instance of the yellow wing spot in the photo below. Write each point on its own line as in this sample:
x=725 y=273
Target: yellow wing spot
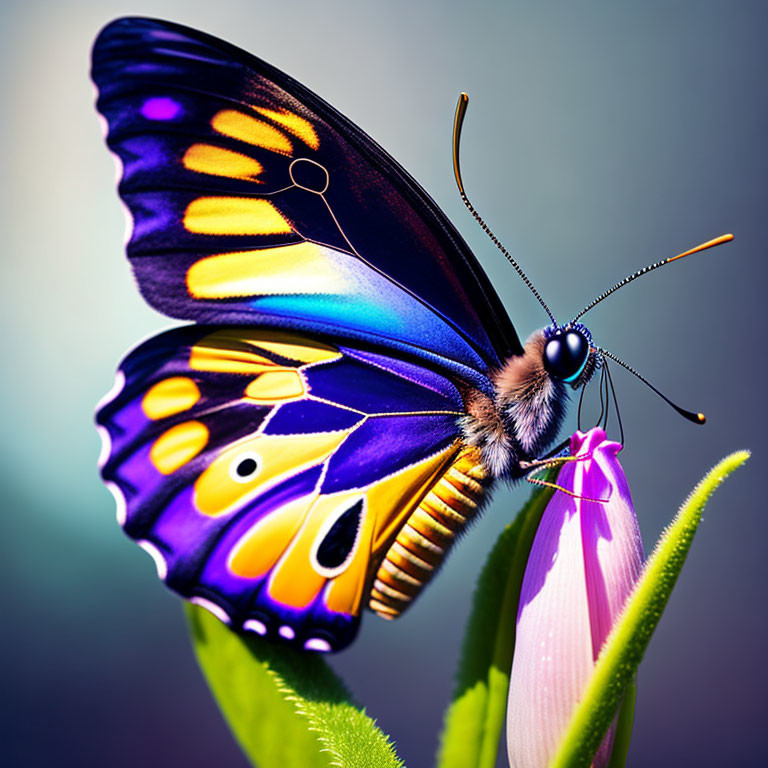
x=169 y=397
x=274 y=386
x=216 y=493
x=389 y=503
x=207 y=355
x=236 y=351
x=178 y=445
x=295 y=582
x=242 y=127
x=394 y=498
x=296 y=348
x=260 y=548
x=234 y=216
x=294 y=124
x=217 y=161
x=303 y=268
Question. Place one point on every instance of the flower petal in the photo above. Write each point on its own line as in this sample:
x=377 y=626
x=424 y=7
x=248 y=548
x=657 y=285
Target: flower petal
x=553 y=652
x=585 y=558
x=613 y=547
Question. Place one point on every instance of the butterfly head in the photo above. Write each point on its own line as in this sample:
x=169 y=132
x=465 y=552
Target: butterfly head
x=532 y=388
x=531 y=395
x=569 y=355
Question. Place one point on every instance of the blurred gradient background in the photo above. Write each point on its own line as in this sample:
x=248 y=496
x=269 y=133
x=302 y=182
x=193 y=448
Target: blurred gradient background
x=599 y=138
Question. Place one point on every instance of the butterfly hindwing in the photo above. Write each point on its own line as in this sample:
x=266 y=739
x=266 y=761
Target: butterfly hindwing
x=268 y=473
x=254 y=202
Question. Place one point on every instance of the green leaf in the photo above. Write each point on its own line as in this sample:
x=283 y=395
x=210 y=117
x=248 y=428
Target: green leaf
x=284 y=707
x=475 y=718
x=624 y=649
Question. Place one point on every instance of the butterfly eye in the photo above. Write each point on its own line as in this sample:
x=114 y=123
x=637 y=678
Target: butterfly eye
x=565 y=355
x=244 y=467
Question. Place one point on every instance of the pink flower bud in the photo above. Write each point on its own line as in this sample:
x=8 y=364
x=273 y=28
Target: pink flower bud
x=584 y=562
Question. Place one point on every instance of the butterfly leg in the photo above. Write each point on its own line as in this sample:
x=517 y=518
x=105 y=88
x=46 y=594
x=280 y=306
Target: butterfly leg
x=538 y=465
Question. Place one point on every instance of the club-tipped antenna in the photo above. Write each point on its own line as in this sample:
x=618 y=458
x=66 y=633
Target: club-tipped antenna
x=696 y=418
x=461 y=109
x=645 y=270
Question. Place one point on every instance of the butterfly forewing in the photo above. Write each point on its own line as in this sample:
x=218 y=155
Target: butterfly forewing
x=254 y=202
x=269 y=473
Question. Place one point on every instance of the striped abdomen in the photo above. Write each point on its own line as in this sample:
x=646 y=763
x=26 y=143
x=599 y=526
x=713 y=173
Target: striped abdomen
x=425 y=539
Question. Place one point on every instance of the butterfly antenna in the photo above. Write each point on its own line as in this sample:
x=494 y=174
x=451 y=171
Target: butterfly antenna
x=461 y=109
x=696 y=418
x=645 y=270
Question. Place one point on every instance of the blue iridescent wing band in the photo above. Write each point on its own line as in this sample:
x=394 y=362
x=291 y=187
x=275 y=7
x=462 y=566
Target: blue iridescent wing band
x=269 y=474
x=254 y=202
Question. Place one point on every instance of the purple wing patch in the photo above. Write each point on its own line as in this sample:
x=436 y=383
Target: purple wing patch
x=234 y=454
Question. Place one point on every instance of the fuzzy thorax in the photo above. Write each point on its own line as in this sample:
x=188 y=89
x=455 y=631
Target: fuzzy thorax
x=524 y=416
x=531 y=401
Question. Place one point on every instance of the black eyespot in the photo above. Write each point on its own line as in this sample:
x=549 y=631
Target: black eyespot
x=245 y=467
x=337 y=544
x=565 y=354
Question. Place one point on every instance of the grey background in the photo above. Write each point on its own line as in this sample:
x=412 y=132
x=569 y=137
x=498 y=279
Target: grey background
x=600 y=137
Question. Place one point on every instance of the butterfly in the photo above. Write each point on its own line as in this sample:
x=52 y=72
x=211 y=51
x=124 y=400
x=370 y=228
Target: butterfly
x=350 y=386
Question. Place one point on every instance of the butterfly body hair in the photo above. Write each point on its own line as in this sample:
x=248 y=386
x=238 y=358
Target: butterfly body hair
x=523 y=418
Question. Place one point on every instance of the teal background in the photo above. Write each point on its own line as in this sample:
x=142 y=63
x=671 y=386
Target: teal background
x=600 y=137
